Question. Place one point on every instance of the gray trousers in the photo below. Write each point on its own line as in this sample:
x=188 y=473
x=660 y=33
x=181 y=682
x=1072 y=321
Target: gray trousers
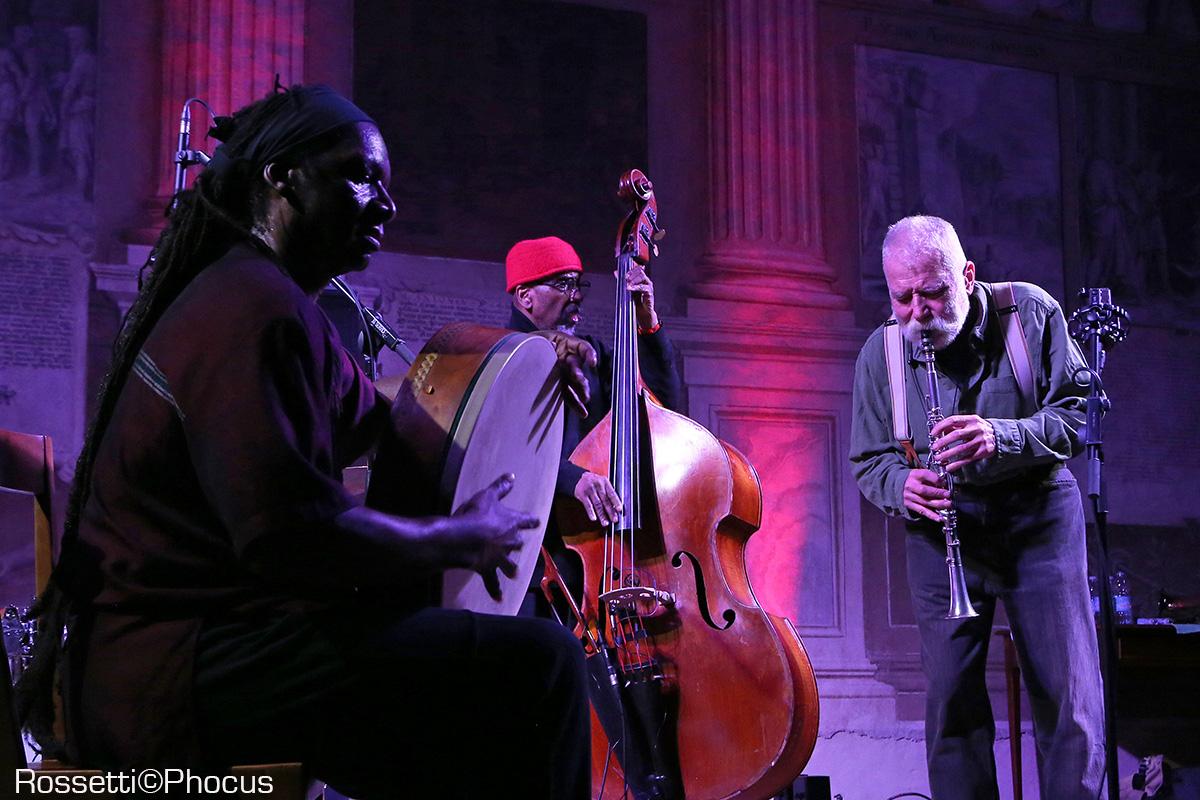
x=1024 y=545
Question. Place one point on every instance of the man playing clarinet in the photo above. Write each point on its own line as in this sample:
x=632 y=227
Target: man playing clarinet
x=1012 y=418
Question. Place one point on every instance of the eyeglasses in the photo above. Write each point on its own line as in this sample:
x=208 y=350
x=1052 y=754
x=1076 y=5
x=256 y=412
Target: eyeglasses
x=569 y=286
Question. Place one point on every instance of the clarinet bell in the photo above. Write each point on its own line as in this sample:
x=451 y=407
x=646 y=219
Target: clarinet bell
x=960 y=601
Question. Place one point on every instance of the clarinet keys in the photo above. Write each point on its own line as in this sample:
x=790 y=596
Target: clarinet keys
x=960 y=601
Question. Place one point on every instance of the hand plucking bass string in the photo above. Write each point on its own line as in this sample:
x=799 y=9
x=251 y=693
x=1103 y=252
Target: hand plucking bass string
x=595 y=492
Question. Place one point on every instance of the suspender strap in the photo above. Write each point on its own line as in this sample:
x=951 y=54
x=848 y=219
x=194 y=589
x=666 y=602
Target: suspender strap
x=1014 y=343
x=1014 y=338
x=893 y=350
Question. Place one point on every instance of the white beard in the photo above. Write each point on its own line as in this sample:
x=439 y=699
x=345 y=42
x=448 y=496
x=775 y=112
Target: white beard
x=943 y=329
x=569 y=321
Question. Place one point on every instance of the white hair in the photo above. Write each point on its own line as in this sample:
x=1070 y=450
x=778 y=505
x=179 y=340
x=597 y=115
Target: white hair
x=921 y=239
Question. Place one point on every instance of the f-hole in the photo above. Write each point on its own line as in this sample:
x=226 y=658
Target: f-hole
x=728 y=615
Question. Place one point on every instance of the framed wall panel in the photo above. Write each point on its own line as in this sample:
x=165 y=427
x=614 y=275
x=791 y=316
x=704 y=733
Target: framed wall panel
x=794 y=558
x=935 y=137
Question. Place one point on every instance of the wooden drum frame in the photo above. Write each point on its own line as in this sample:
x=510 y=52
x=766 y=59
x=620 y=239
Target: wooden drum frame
x=477 y=403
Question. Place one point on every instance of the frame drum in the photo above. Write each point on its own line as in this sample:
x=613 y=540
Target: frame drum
x=478 y=402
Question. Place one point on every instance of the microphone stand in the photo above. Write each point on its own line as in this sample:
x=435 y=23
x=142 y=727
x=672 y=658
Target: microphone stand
x=1096 y=324
x=184 y=156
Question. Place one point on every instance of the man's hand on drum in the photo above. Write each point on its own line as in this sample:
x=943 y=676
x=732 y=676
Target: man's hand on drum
x=488 y=543
x=574 y=354
x=924 y=494
x=599 y=498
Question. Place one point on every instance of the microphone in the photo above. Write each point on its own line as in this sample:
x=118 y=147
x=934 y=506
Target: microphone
x=382 y=334
x=386 y=336
x=185 y=137
x=1099 y=317
x=184 y=156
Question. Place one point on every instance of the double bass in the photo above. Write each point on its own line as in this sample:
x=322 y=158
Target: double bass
x=696 y=691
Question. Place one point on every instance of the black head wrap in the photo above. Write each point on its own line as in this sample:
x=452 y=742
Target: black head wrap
x=306 y=113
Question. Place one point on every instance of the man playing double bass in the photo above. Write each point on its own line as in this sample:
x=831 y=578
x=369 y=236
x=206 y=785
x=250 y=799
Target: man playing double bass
x=545 y=278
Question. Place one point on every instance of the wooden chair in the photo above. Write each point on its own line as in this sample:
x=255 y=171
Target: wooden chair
x=27 y=466
x=1012 y=688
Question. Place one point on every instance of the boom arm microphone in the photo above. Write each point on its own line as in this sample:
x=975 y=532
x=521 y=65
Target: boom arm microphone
x=382 y=334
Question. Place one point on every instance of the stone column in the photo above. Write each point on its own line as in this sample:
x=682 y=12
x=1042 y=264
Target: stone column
x=769 y=344
x=227 y=53
x=765 y=245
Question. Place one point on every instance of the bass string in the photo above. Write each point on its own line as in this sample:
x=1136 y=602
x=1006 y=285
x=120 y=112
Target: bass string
x=629 y=398
x=614 y=410
x=634 y=458
x=620 y=553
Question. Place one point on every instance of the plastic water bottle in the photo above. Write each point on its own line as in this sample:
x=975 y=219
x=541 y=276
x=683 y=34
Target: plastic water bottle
x=1122 y=606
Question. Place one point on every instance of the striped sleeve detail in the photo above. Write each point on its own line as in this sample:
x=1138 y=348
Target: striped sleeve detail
x=145 y=368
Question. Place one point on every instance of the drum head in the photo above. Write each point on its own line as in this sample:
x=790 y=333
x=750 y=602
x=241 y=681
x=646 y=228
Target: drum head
x=511 y=420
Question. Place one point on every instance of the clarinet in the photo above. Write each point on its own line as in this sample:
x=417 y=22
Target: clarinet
x=960 y=602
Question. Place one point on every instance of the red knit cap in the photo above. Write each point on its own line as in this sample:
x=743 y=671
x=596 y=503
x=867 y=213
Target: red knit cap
x=533 y=259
